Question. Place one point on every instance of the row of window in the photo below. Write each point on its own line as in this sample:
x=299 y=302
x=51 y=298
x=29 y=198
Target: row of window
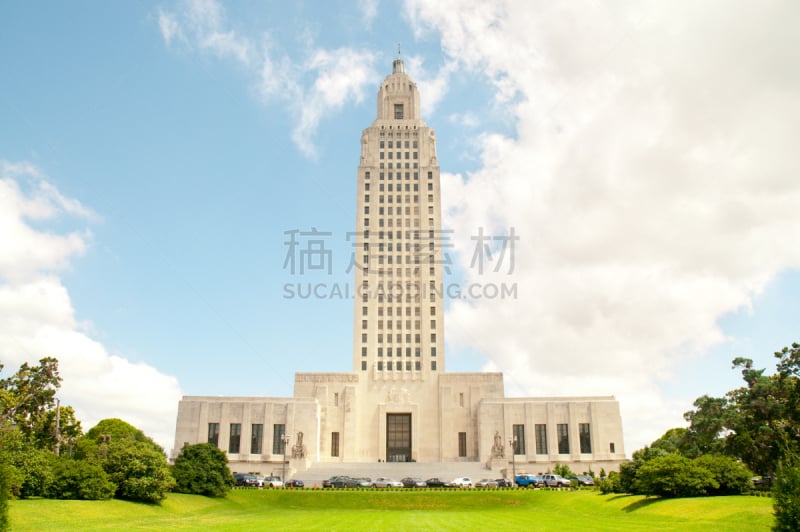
x=390 y=235
x=433 y=325
x=256 y=437
x=399 y=144
x=408 y=155
x=392 y=272
x=399 y=176
x=397 y=366
x=390 y=187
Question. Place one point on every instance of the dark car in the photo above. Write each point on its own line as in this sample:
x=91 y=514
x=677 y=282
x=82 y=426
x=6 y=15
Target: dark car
x=329 y=483
x=344 y=482
x=584 y=480
x=435 y=483
x=295 y=483
x=503 y=483
x=246 y=480
x=413 y=482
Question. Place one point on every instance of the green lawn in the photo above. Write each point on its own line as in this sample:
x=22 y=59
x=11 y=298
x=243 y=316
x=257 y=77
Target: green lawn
x=400 y=510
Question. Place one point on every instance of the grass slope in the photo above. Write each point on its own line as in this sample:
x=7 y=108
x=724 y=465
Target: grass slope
x=400 y=510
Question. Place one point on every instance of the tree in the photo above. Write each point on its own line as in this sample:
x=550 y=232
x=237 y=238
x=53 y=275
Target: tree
x=133 y=462
x=202 y=469
x=732 y=476
x=748 y=421
x=786 y=494
x=28 y=394
x=673 y=475
x=79 y=479
x=5 y=494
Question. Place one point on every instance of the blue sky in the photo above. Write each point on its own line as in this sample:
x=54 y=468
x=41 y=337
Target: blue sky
x=155 y=153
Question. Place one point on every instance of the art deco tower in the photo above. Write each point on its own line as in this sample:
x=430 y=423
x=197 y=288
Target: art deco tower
x=398 y=322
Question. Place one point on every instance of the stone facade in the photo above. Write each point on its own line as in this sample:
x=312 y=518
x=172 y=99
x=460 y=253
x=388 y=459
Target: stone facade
x=399 y=404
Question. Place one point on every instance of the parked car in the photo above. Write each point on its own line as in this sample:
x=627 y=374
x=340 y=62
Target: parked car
x=364 y=482
x=344 y=482
x=556 y=481
x=584 y=480
x=383 y=482
x=247 y=480
x=272 y=482
x=526 y=480
x=435 y=483
x=460 y=482
x=339 y=481
x=503 y=482
x=486 y=483
x=413 y=482
x=295 y=483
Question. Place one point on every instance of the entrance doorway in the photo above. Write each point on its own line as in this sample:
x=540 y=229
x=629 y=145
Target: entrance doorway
x=398 y=437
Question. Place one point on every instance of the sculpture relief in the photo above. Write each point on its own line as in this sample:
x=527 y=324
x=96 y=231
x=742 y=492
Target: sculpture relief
x=299 y=449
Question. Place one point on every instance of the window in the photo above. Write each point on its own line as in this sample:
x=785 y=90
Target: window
x=433 y=351
x=519 y=439
x=363 y=365
x=380 y=366
x=563 y=438
x=417 y=366
x=461 y=399
x=334 y=444
x=336 y=399
x=541 y=439
x=611 y=448
x=213 y=433
x=235 y=438
x=363 y=351
x=277 y=438
x=398 y=111
x=433 y=365
x=462 y=444
x=256 y=437
x=585 y=438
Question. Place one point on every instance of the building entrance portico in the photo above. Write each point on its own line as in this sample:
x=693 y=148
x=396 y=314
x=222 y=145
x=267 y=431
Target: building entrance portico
x=398 y=437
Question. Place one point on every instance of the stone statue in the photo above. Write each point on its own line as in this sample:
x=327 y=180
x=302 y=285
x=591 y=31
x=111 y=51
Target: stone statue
x=497 y=449
x=299 y=449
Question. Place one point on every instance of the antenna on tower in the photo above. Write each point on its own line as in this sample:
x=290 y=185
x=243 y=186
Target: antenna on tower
x=398 y=50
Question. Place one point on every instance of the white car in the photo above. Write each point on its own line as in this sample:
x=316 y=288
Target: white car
x=271 y=482
x=382 y=482
x=461 y=482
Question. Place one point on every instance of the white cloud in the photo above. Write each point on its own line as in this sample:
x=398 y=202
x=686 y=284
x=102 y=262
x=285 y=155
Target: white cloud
x=312 y=88
x=340 y=75
x=652 y=181
x=37 y=318
x=369 y=9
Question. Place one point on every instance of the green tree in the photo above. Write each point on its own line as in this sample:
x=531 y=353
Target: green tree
x=786 y=494
x=202 y=469
x=732 y=476
x=5 y=494
x=133 y=462
x=79 y=479
x=29 y=394
x=673 y=475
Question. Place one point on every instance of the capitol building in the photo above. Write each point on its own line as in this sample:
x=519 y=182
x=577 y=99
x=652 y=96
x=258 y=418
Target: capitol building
x=398 y=403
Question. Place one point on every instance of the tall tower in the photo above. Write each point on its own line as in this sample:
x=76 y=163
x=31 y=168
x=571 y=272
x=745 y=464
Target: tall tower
x=398 y=323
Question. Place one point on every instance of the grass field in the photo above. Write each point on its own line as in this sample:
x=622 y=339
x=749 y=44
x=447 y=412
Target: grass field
x=400 y=510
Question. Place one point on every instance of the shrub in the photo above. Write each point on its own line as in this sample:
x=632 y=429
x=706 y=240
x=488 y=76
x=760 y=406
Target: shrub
x=78 y=479
x=786 y=495
x=563 y=470
x=733 y=477
x=610 y=484
x=673 y=476
x=202 y=469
